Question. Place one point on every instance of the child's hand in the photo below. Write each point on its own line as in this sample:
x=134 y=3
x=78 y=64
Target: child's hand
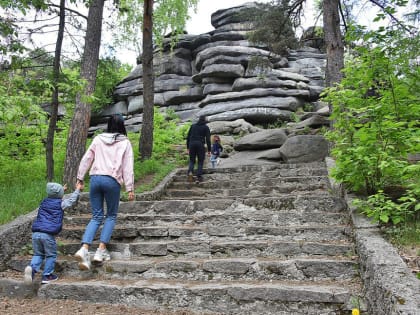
x=80 y=185
x=131 y=196
x=65 y=187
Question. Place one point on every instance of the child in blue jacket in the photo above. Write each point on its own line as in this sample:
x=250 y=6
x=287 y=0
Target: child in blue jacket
x=216 y=149
x=47 y=225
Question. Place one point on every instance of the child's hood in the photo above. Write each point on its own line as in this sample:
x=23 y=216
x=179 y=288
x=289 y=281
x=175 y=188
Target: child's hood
x=111 y=138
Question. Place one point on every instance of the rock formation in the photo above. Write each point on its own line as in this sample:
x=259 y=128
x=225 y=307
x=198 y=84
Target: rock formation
x=222 y=75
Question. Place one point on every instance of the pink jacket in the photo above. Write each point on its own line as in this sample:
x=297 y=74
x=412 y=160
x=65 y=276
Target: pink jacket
x=109 y=155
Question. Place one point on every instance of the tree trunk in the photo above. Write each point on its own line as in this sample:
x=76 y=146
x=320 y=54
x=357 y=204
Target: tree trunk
x=49 y=147
x=146 y=137
x=333 y=41
x=76 y=143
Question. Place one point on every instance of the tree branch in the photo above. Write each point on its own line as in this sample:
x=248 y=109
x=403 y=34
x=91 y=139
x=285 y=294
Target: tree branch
x=382 y=6
x=71 y=10
x=340 y=8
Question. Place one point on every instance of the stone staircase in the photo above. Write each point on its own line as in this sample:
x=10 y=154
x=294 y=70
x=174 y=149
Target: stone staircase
x=266 y=239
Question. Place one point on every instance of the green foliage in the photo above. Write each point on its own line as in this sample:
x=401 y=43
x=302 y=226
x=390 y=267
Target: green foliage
x=168 y=150
x=382 y=208
x=407 y=234
x=110 y=72
x=166 y=133
x=22 y=181
x=22 y=174
x=376 y=109
x=22 y=121
x=26 y=250
x=12 y=45
x=23 y=5
x=273 y=26
x=169 y=16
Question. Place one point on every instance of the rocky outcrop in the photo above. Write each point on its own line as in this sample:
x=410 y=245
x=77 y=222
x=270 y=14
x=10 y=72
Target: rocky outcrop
x=217 y=64
x=225 y=77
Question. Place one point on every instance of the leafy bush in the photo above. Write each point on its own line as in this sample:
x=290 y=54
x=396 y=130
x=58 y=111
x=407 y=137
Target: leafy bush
x=168 y=150
x=382 y=208
x=22 y=181
x=110 y=72
x=376 y=110
x=22 y=121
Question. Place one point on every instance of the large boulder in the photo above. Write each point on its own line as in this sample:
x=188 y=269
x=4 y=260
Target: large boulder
x=254 y=115
x=223 y=71
x=262 y=140
x=232 y=15
x=232 y=51
x=254 y=93
x=270 y=102
x=315 y=121
x=241 y=84
x=239 y=126
x=304 y=149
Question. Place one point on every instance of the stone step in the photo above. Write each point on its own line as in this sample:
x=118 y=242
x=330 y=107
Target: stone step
x=232 y=297
x=217 y=249
x=303 y=269
x=312 y=201
x=261 y=171
x=218 y=232
x=279 y=174
x=235 y=183
x=220 y=217
x=195 y=191
x=257 y=239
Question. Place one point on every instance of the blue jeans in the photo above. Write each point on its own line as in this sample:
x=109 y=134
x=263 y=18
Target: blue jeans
x=213 y=160
x=44 y=247
x=102 y=188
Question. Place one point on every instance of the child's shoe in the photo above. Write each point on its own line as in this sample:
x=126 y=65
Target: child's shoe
x=83 y=257
x=29 y=274
x=101 y=255
x=49 y=278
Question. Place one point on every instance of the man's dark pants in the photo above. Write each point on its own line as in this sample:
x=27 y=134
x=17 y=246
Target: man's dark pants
x=197 y=151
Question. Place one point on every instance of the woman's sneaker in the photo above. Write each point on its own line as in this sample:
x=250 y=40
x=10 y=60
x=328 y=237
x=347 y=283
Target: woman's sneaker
x=83 y=257
x=101 y=255
x=49 y=278
x=29 y=274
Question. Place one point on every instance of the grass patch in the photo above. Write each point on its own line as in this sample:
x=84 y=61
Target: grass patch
x=405 y=234
x=22 y=186
x=406 y=238
x=23 y=179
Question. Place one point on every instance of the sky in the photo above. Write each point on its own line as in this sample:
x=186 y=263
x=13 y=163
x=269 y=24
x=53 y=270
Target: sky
x=200 y=21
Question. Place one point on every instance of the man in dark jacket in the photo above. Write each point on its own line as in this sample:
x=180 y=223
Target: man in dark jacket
x=198 y=135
